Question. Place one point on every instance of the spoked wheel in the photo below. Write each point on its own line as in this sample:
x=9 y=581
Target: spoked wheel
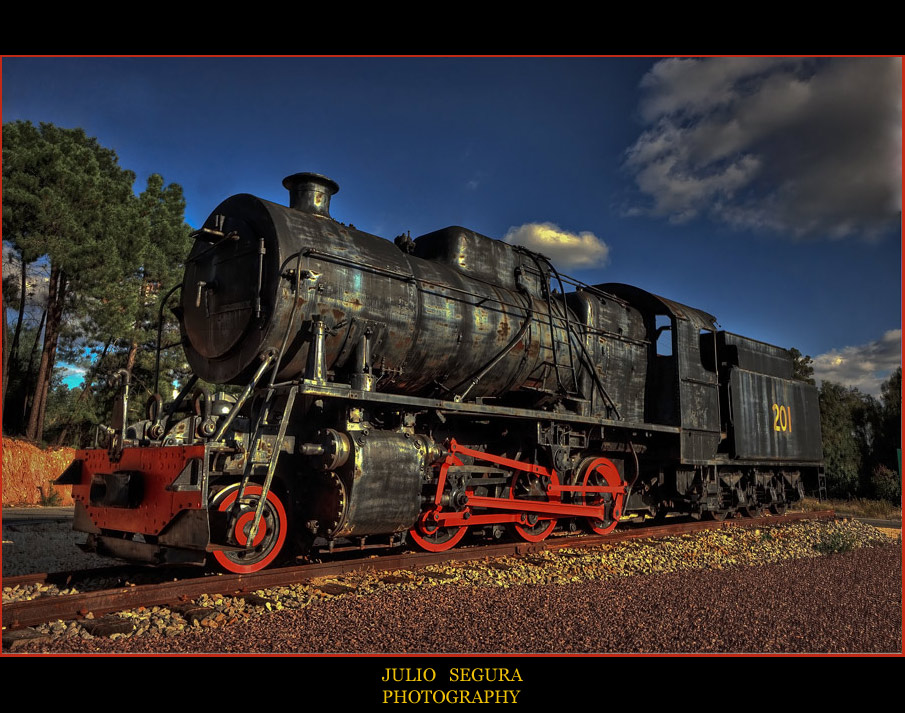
x=269 y=539
x=429 y=535
x=528 y=486
x=779 y=508
x=717 y=515
x=755 y=510
x=598 y=473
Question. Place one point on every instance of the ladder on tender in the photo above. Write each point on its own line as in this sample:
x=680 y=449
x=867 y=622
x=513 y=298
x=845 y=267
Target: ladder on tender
x=821 y=484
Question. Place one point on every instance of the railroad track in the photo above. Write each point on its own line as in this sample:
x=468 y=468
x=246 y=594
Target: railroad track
x=18 y=615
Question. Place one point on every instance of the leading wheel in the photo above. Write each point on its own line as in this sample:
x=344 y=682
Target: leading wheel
x=429 y=535
x=528 y=486
x=600 y=472
x=269 y=539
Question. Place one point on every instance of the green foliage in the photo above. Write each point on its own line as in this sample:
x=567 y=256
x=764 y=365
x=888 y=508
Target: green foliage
x=885 y=484
x=21 y=379
x=124 y=328
x=67 y=203
x=72 y=414
x=889 y=423
x=65 y=197
x=835 y=542
x=110 y=254
x=857 y=507
x=802 y=367
x=841 y=421
x=861 y=438
x=50 y=497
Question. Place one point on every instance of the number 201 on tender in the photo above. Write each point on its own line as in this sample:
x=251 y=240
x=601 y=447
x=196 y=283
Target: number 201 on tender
x=782 y=418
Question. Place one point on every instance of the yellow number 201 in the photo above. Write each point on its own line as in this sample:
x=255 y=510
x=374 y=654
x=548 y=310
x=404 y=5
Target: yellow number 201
x=782 y=418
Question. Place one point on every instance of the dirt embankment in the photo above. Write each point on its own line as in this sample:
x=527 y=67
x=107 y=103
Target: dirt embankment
x=29 y=471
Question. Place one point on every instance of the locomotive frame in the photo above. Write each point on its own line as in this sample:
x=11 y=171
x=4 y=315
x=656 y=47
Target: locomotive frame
x=422 y=390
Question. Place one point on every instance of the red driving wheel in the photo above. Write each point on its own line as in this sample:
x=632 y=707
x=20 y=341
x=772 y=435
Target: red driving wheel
x=601 y=472
x=427 y=533
x=528 y=486
x=269 y=539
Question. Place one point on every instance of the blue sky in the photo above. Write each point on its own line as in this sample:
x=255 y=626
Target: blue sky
x=764 y=191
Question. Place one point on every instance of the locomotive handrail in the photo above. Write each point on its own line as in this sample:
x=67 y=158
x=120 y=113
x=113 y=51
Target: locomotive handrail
x=266 y=360
x=589 y=362
x=351 y=262
x=537 y=257
x=344 y=391
x=563 y=320
x=295 y=305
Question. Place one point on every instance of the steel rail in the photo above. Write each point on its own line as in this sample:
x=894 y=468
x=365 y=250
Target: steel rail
x=75 y=606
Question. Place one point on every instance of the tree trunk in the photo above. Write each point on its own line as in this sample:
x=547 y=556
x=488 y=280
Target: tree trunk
x=86 y=388
x=30 y=373
x=133 y=347
x=61 y=440
x=55 y=298
x=14 y=348
x=53 y=354
x=130 y=359
x=5 y=357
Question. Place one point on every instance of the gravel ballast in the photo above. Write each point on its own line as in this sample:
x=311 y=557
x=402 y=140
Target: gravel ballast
x=755 y=590
x=45 y=546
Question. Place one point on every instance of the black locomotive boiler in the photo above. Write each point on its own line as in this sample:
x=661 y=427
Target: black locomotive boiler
x=421 y=390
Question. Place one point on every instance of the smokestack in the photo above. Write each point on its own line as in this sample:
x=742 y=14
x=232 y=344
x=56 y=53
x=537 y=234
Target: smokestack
x=310 y=192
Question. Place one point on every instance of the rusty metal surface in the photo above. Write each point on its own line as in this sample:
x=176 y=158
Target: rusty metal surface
x=402 y=347
x=683 y=388
x=383 y=496
x=432 y=322
x=752 y=355
x=617 y=344
x=150 y=473
x=774 y=419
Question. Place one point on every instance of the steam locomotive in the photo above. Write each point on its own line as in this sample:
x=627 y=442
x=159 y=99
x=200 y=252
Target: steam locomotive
x=415 y=391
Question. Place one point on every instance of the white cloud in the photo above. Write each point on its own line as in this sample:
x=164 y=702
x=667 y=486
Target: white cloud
x=802 y=147
x=865 y=366
x=565 y=249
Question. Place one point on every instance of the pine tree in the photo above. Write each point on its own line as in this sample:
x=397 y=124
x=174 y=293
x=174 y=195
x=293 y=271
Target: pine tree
x=69 y=205
x=123 y=328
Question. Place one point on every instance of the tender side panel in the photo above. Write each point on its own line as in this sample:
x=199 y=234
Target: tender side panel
x=752 y=355
x=774 y=419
